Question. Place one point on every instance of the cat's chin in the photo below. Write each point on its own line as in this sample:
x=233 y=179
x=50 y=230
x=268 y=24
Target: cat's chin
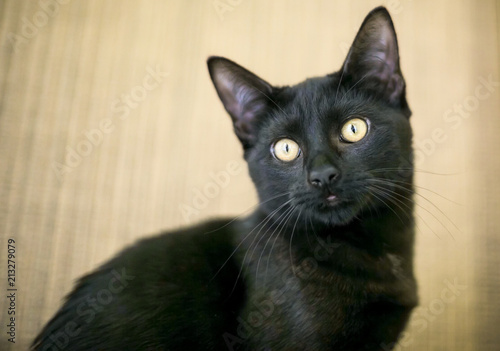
x=333 y=213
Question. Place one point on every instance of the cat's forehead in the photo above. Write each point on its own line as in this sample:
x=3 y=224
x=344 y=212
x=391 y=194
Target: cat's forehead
x=315 y=88
x=320 y=97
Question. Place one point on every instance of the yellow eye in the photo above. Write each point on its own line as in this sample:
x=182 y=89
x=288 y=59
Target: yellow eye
x=286 y=150
x=354 y=130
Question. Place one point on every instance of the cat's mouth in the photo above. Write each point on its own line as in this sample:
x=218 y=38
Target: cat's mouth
x=330 y=207
x=332 y=199
x=329 y=201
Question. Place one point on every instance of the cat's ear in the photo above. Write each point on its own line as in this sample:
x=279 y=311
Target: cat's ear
x=244 y=95
x=373 y=60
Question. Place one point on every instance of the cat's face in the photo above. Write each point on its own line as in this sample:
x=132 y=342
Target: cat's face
x=324 y=148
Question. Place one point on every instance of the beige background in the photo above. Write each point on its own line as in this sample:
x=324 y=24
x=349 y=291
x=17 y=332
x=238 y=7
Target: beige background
x=68 y=74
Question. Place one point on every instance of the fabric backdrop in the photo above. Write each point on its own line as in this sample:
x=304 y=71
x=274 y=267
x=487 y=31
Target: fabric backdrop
x=110 y=130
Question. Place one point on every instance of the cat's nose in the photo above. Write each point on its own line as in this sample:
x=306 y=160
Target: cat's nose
x=324 y=176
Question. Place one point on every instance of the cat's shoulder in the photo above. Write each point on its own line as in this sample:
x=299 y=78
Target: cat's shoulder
x=150 y=281
x=173 y=249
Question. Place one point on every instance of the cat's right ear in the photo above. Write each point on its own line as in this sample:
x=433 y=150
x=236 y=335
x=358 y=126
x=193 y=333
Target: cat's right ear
x=244 y=95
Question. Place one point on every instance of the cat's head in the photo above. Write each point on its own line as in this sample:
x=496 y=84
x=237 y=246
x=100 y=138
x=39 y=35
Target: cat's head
x=330 y=147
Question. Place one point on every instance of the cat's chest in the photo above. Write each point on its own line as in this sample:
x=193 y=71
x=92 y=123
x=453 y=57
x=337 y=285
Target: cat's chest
x=313 y=305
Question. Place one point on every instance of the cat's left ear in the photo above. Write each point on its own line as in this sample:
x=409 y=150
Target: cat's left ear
x=244 y=96
x=373 y=60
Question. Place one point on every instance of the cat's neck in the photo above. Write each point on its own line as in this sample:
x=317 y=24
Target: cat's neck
x=377 y=232
x=368 y=245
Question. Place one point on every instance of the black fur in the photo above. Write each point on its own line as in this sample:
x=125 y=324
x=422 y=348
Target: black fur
x=301 y=272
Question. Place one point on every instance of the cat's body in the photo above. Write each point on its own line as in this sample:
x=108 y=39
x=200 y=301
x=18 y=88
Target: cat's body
x=324 y=263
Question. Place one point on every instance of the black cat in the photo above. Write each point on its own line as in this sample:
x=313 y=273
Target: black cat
x=324 y=263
